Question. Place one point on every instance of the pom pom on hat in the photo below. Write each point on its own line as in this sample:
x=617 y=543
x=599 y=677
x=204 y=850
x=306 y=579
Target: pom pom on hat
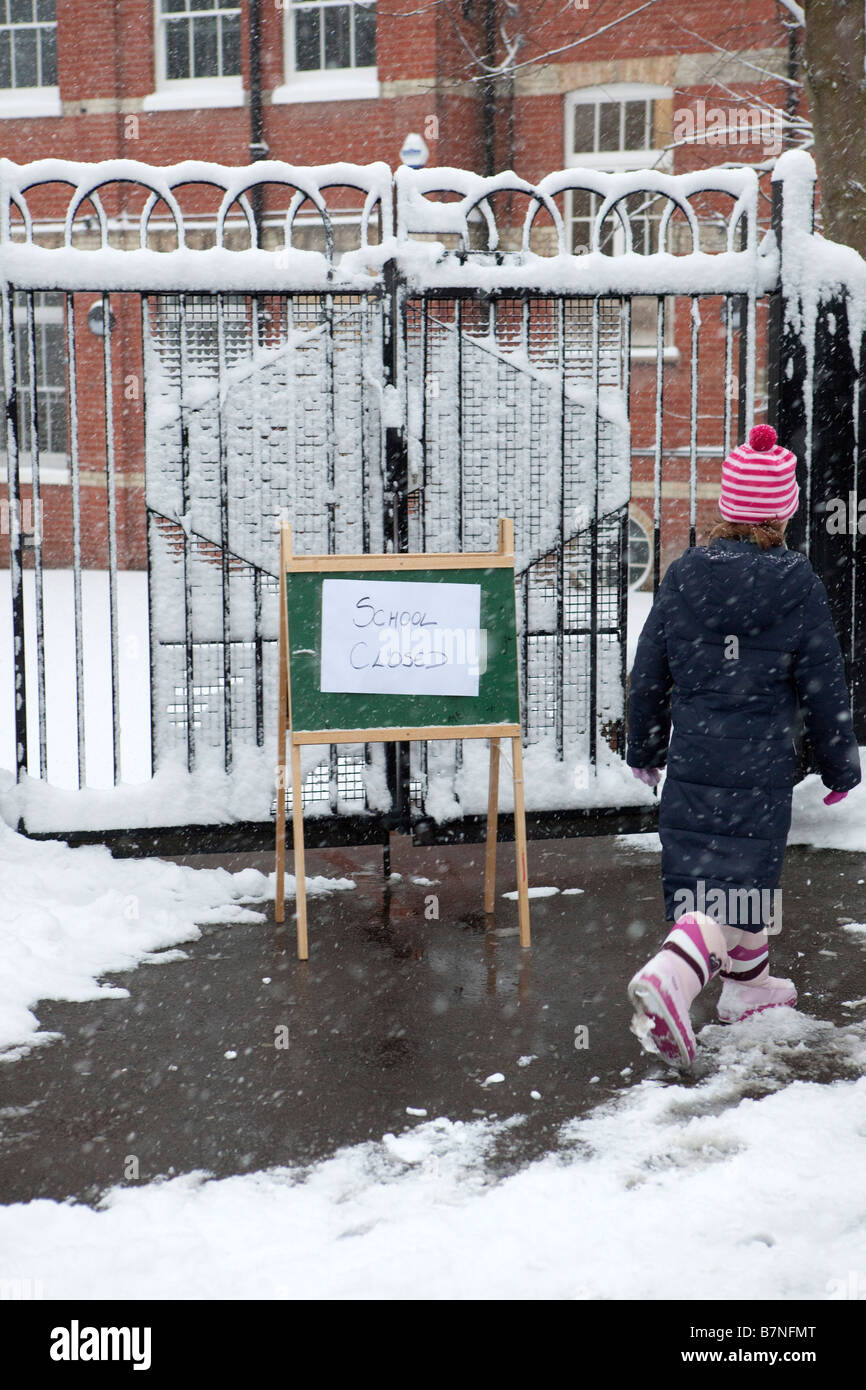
x=762 y=438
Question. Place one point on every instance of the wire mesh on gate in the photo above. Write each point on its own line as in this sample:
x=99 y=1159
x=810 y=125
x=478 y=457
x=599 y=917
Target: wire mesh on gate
x=516 y=407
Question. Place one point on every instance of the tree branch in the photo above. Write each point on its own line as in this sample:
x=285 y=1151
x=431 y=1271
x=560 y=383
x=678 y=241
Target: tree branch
x=503 y=68
x=794 y=10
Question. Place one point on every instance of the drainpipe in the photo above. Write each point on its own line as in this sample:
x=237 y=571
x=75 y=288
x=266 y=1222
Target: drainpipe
x=792 y=99
x=258 y=148
x=490 y=90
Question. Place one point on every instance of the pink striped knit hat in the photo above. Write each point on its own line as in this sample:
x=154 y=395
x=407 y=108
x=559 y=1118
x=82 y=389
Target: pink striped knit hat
x=759 y=479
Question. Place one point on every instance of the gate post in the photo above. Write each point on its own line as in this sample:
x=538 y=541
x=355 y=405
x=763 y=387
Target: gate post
x=16 y=540
x=396 y=520
x=813 y=400
x=788 y=352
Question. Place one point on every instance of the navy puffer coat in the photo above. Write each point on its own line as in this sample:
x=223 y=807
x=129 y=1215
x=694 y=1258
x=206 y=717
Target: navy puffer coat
x=737 y=637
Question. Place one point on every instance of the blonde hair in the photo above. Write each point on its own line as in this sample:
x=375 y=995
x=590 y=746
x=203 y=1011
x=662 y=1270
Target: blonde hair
x=765 y=534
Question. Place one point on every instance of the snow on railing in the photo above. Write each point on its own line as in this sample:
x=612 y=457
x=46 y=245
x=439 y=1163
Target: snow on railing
x=151 y=198
x=619 y=268
x=154 y=192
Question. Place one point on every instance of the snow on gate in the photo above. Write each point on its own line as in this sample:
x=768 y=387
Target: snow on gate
x=386 y=374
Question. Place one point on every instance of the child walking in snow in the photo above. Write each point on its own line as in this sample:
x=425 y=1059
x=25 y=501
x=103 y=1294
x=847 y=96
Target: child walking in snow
x=739 y=634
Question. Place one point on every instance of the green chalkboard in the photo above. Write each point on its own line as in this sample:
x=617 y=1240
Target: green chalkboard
x=497 y=701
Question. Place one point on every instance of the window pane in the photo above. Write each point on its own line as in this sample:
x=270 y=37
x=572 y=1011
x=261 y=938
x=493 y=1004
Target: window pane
x=581 y=203
x=21 y=11
x=46 y=9
x=307 y=55
x=59 y=442
x=50 y=422
x=24 y=419
x=634 y=207
x=203 y=4
x=611 y=234
x=580 y=237
x=22 y=360
x=337 y=51
x=170 y=5
x=584 y=127
x=608 y=135
x=644 y=321
x=54 y=355
x=635 y=126
x=365 y=36
x=48 y=46
x=231 y=41
x=177 y=49
x=24 y=48
x=5 y=58
x=205 y=61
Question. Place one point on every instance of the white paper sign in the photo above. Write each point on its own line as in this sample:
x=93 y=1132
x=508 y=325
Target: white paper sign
x=392 y=637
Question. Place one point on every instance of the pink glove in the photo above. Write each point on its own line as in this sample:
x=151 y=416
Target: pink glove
x=651 y=776
x=832 y=797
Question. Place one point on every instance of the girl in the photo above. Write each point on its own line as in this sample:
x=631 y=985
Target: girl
x=740 y=632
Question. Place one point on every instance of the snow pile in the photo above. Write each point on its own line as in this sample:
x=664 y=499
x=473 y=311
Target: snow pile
x=173 y=796
x=643 y=1199
x=842 y=826
x=70 y=916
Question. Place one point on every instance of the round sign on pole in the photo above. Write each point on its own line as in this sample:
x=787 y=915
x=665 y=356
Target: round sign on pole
x=415 y=152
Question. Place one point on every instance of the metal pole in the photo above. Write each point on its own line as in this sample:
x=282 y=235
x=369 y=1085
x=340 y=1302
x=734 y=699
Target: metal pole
x=258 y=148
x=490 y=90
x=16 y=561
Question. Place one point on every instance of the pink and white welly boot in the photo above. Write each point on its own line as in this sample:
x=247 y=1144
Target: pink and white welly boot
x=748 y=986
x=663 y=991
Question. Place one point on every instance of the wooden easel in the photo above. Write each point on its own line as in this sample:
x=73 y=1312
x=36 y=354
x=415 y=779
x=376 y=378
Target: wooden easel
x=348 y=564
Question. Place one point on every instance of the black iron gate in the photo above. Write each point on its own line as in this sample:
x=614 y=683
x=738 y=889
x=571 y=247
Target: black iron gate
x=395 y=394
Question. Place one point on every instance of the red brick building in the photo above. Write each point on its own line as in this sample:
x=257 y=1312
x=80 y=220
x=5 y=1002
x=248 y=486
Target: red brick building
x=609 y=85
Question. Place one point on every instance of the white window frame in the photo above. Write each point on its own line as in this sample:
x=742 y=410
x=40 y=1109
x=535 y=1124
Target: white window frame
x=618 y=161
x=613 y=161
x=188 y=93
x=322 y=84
x=24 y=102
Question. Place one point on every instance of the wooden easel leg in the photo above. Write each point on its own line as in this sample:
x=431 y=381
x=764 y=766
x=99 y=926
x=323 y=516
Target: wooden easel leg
x=492 y=822
x=280 y=886
x=298 y=842
x=520 y=841
x=282 y=719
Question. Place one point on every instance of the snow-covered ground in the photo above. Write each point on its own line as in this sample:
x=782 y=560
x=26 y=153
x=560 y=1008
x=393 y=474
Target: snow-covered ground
x=748 y=1175
x=70 y=916
x=670 y=1191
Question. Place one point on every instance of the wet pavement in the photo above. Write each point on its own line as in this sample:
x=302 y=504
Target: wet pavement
x=241 y=1057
